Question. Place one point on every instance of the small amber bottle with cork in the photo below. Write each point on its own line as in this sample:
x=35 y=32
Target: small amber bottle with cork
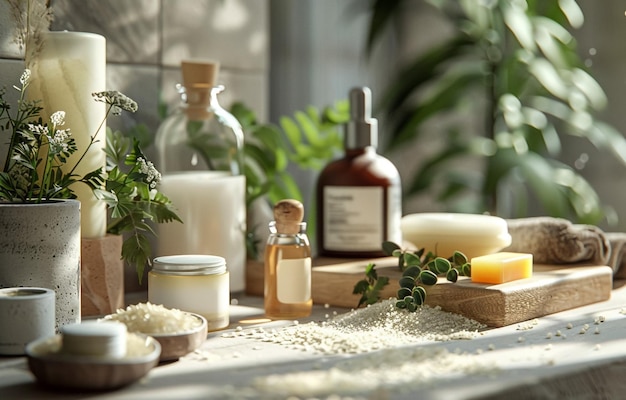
x=359 y=196
x=287 y=289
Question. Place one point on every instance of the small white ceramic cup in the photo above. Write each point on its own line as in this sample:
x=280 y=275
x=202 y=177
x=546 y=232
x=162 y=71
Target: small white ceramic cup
x=27 y=314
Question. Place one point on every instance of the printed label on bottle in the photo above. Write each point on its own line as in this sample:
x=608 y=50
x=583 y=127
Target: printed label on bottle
x=293 y=280
x=353 y=218
x=394 y=214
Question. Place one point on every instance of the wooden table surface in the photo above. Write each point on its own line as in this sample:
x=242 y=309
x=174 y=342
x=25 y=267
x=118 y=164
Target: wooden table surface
x=529 y=363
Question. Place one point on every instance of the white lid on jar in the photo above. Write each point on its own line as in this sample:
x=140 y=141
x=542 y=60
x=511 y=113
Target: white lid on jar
x=94 y=338
x=190 y=264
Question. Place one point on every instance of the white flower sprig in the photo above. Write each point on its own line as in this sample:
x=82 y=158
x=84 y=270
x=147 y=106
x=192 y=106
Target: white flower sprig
x=36 y=167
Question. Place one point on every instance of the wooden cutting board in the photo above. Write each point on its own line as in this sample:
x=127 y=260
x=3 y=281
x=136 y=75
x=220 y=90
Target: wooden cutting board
x=551 y=289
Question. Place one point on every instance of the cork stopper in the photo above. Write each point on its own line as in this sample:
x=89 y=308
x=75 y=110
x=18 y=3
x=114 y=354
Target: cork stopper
x=288 y=216
x=199 y=73
x=198 y=79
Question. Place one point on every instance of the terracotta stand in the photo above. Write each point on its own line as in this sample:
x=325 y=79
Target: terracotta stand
x=102 y=281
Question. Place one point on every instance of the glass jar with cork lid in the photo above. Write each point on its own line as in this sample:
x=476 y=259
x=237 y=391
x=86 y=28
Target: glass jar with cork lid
x=287 y=279
x=200 y=156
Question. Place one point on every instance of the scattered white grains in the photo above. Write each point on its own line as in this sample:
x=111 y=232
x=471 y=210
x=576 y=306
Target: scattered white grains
x=569 y=325
x=528 y=325
x=378 y=326
x=549 y=335
x=520 y=339
x=396 y=370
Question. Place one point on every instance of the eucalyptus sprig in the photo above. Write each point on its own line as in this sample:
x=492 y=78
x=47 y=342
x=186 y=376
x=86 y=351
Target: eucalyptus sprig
x=419 y=270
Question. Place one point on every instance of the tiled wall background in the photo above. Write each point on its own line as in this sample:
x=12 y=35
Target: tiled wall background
x=147 y=39
x=279 y=56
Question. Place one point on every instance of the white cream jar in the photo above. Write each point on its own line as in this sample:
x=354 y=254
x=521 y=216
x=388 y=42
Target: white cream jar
x=192 y=283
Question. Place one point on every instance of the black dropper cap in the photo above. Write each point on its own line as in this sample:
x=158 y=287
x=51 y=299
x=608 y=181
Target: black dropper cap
x=362 y=129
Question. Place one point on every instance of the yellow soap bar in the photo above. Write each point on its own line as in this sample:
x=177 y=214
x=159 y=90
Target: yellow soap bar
x=501 y=267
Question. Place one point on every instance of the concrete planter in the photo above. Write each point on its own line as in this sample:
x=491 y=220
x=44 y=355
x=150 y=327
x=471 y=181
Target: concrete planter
x=40 y=246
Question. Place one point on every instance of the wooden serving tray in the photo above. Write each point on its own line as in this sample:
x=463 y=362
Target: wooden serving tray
x=552 y=288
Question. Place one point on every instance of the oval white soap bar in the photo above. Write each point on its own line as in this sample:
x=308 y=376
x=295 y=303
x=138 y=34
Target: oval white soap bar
x=93 y=338
x=443 y=233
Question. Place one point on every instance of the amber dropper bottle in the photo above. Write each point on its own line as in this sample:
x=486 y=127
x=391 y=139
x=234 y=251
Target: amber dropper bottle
x=359 y=196
x=287 y=289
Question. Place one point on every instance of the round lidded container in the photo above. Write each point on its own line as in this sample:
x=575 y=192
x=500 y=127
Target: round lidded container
x=193 y=283
x=443 y=233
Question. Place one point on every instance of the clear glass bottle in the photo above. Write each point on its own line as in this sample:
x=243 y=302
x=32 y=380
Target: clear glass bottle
x=200 y=135
x=287 y=290
x=359 y=196
x=200 y=157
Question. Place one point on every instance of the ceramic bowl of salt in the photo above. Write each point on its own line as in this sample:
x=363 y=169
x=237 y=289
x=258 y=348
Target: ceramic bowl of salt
x=91 y=359
x=178 y=332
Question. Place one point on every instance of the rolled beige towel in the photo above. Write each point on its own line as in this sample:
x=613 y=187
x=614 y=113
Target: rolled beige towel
x=618 y=253
x=558 y=241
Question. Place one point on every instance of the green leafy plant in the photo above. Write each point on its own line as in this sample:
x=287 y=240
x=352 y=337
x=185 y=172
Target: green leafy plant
x=131 y=195
x=515 y=63
x=308 y=140
x=418 y=268
x=37 y=151
x=36 y=170
x=370 y=287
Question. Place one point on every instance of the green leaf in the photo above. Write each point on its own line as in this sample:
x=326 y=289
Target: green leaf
x=428 y=277
x=439 y=265
x=452 y=275
x=590 y=88
x=389 y=248
x=419 y=295
x=360 y=287
x=549 y=77
x=519 y=23
x=407 y=282
x=404 y=292
x=413 y=271
x=572 y=11
x=466 y=269
x=458 y=258
x=411 y=259
x=291 y=130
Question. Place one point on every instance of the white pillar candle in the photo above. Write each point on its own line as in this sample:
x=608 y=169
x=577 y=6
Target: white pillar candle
x=70 y=67
x=212 y=207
